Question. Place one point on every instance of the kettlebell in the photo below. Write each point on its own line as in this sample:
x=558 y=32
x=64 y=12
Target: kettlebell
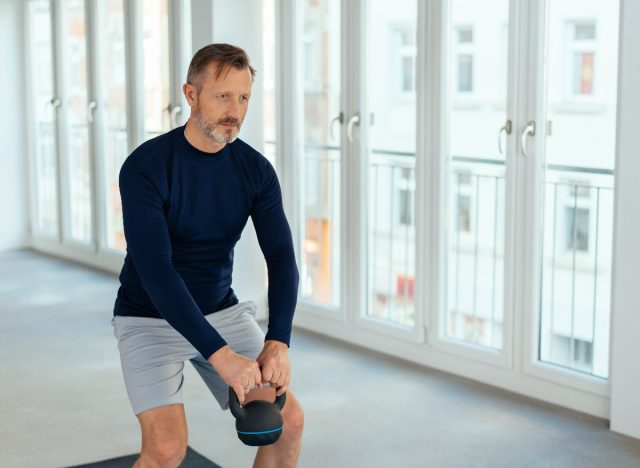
x=259 y=422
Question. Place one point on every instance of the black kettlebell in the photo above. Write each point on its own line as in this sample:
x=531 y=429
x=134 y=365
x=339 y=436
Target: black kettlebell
x=259 y=422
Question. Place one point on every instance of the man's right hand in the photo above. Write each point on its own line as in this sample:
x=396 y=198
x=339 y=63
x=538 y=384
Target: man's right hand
x=239 y=372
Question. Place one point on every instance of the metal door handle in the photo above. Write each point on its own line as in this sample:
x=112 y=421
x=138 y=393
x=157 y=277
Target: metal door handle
x=90 y=109
x=172 y=115
x=55 y=105
x=354 y=120
x=339 y=118
x=530 y=129
x=507 y=128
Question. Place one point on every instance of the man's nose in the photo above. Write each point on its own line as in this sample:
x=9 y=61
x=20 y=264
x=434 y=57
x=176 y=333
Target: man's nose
x=233 y=110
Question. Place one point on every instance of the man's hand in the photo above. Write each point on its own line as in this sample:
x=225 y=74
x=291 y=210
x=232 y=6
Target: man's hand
x=274 y=362
x=239 y=372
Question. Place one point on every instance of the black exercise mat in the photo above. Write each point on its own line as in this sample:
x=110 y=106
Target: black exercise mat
x=192 y=460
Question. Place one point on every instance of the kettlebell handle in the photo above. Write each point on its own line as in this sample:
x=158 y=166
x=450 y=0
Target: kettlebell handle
x=238 y=411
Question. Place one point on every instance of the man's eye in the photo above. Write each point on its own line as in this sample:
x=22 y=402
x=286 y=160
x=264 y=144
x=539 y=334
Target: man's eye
x=244 y=98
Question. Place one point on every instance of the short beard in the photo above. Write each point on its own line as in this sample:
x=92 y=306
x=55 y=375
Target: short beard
x=209 y=129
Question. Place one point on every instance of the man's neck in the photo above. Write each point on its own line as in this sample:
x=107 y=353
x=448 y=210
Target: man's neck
x=195 y=137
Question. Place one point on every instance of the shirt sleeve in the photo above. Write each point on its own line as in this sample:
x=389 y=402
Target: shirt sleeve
x=148 y=243
x=276 y=243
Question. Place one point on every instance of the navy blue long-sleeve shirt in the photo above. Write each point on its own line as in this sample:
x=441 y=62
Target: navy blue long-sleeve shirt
x=183 y=212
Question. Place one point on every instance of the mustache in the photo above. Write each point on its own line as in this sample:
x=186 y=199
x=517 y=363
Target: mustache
x=229 y=121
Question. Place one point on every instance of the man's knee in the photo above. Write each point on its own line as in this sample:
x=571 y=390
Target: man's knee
x=293 y=420
x=166 y=453
x=164 y=436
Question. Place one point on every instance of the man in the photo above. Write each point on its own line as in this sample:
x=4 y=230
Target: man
x=186 y=197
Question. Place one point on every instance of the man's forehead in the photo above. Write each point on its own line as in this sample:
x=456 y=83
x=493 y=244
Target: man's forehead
x=228 y=74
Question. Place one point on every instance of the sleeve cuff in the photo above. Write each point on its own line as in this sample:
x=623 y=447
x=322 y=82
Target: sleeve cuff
x=284 y=337
x=207 y=351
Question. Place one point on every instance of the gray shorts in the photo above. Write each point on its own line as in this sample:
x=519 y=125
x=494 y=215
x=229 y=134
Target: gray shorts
x=153 y=353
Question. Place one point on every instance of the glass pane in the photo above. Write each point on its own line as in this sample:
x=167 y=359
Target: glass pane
x=578 y=185
x=477 y=70
x=391 y=99
x=44 y=114
x=79 y=170
x=268 y=77
x=155 y=30
x=320 y=276
x=112 y=59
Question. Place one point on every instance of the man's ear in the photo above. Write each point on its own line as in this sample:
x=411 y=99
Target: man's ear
x=190 y=93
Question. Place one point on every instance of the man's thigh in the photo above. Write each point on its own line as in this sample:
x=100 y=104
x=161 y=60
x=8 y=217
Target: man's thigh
x=152 y=354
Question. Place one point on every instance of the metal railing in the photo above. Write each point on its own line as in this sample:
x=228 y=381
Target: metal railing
x=479 y=303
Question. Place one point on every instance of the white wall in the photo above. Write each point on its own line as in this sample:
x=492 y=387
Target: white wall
x=625 y=374
x=13 y=159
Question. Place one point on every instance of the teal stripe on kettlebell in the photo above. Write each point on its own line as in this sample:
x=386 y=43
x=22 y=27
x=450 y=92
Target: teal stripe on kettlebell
x=261 y=432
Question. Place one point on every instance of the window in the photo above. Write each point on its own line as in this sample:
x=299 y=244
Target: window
x=582 y=60
x=577 y=214
x=43 y=98
x=463 y=197
x=407 y=187
x=464 y=214
x=268 y=76
x=464 y=59
x=583 y=353
x=465 y=73
x=573 y=352
x=577 y=235
x=404 y=39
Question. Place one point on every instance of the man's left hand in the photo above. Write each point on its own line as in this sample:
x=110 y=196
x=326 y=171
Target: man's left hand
x=275 y=366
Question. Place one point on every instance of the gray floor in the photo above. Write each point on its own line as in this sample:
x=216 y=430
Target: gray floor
x=63 y=400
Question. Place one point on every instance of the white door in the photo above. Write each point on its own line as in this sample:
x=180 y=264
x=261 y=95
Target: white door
x=570 y=163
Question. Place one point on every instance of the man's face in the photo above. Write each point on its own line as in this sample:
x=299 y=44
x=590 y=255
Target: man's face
x=220 y=106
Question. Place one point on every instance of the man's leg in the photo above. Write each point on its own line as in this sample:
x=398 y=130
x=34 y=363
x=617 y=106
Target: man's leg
x=152 y=353
x=286 y=451
x=164 y=437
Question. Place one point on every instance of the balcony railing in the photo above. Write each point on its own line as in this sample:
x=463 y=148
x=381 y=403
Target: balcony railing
x=575 y=239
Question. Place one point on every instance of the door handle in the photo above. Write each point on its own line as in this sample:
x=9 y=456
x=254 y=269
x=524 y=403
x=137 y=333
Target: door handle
x=339 y=118
x=507 y=128
x=172 y=116
x=354 y=120
x=55 y=104
x=530 y=129
x=90 y=114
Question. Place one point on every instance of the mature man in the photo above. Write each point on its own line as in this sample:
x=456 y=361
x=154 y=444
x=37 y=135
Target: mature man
x=186 y=197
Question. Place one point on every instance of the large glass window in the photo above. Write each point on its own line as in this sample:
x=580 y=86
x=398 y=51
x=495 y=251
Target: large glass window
x=391 y=101
x=45 y=105
x=268 y=78
x=112 y=58
x=77 y=131
x=157 y=95
x=476 y=172
x=578 y=185
x=320 y=272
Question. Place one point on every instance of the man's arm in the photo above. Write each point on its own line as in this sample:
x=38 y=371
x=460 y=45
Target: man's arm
x=274 y=237
x=276 y=243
